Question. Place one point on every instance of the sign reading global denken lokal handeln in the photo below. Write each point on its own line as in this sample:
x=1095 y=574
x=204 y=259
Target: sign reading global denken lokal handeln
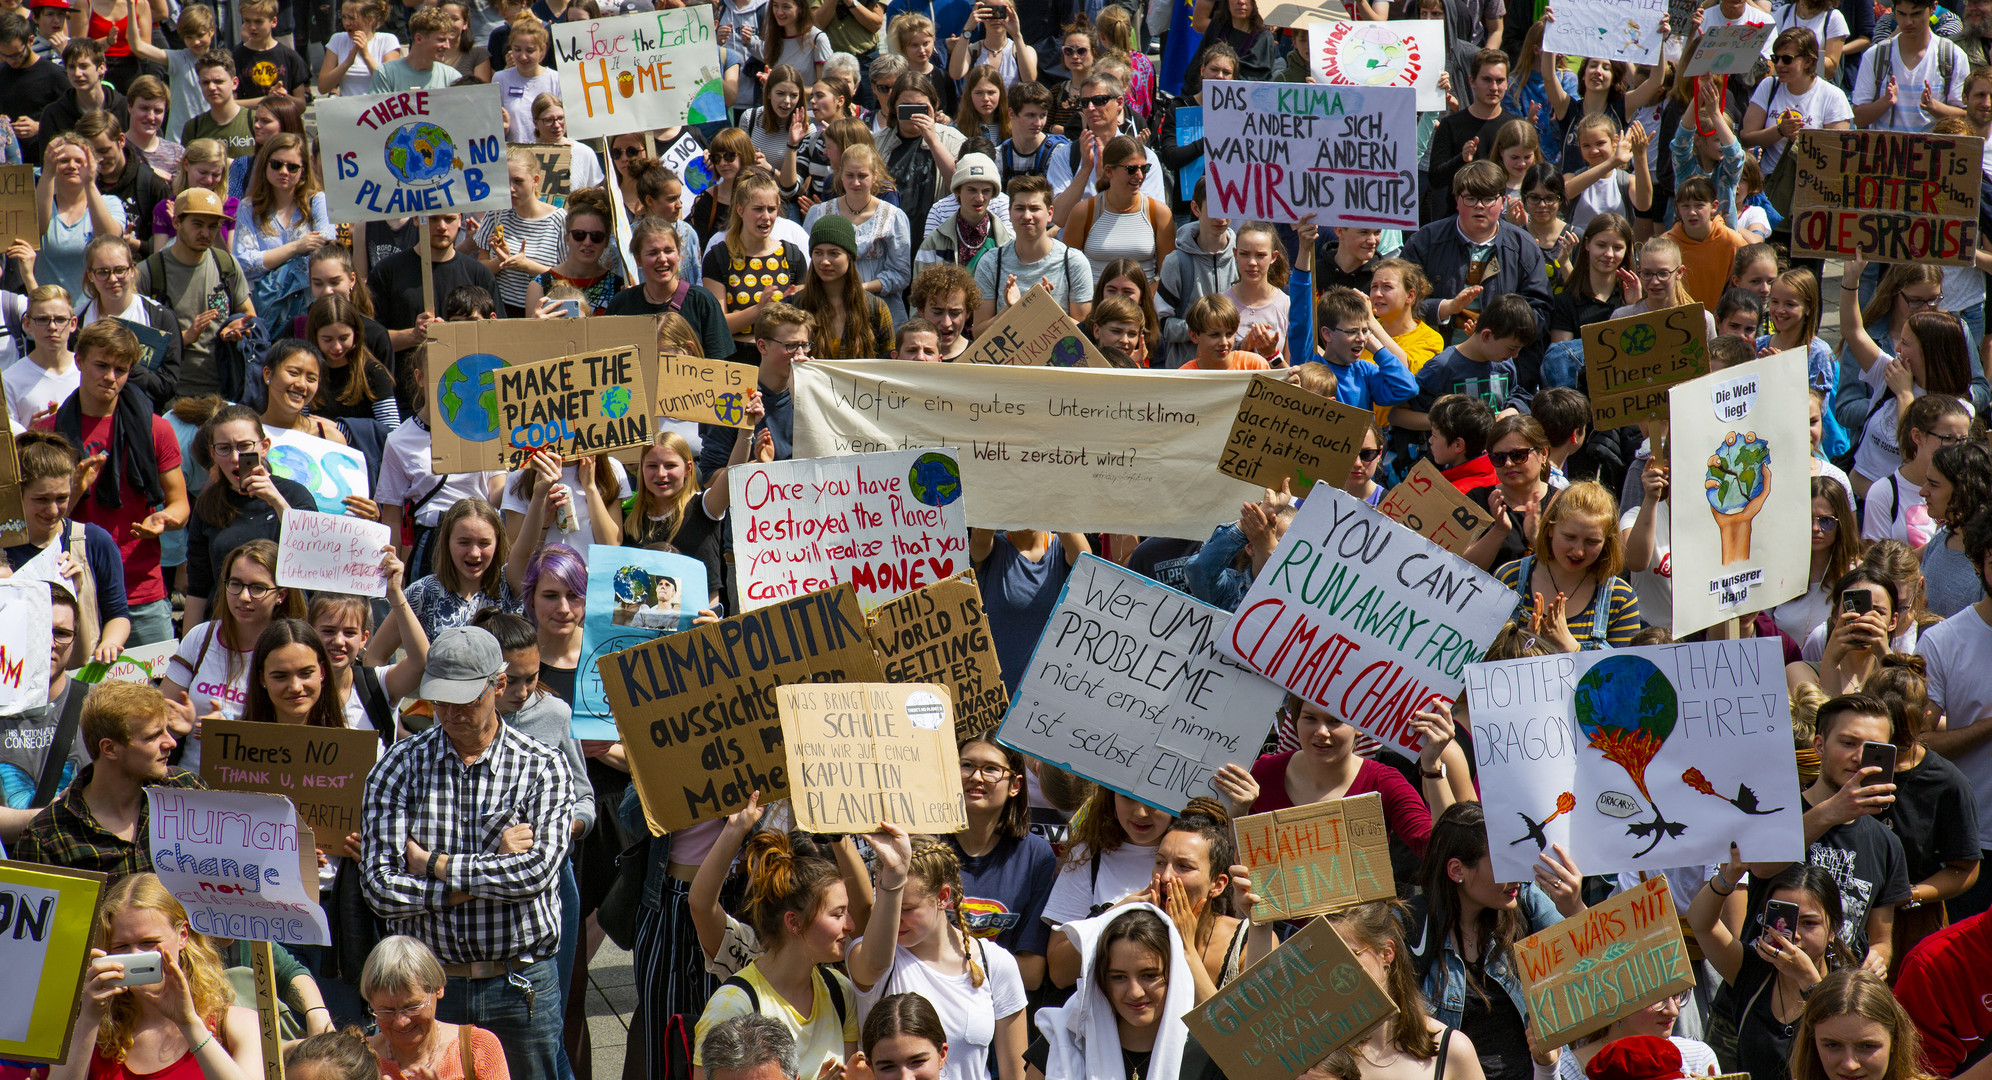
x=1285 y=152
x=414 y=152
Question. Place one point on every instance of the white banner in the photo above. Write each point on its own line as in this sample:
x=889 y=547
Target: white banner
x=1627 y=30
x=332 y=553
x=25 y=630
x=244 y=866
x=1401 y=52
x=416 y=152
x=639 y=72
x=1282 y=151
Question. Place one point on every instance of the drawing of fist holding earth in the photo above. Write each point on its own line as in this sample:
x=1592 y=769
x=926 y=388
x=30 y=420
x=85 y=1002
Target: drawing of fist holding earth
x=1738 y=482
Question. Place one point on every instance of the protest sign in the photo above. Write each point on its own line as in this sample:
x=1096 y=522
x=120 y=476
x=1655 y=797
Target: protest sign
x=1283 y=151
x=1285 y=432
x=1740 y=444
x=153 y=345
x=330 y=471
x=1317 y=858
x=1608 y=961
x=697 y=710
x=1402 y=52
x=639 y=72
x=136 y=664
x=1652 y=757
x=25 y=631
x=327 y=553
x=555 y=162
x=1125 y=451
x=1292 y=13
x=244 y=865
x=1189 y=132
x=1366 y=618
x=1891 y=196
x=938 y=634
x=414 y=152
x=13 y=517
x=1726 y=50
x=1306 y=1000
x=862 y=753
x=263 y=972
x=887 y=523
x=47 y=914
x=324 y=770
x=708 y=391
x=1618 y=30
x=633 y=595
x=1428 y=504
x=581 y=405
x=1126 y=688
x=463 y=389
x=17 y=206
x=1630 y=363
x=1035 y=331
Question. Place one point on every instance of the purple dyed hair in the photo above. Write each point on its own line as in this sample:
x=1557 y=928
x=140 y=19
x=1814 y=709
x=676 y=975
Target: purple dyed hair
x=564 y=565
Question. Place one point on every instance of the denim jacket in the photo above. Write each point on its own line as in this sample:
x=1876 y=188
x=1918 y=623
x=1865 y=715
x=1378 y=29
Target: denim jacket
x=1444 y=970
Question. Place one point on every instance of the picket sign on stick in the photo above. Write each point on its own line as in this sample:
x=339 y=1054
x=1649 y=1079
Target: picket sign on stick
x=1428 y=504
x=1313 y=859
x=1889 y=196
x=639 y=72
x=1307 y=999
x=1401 y=52
x=1630 y=363
x=1606 y=962
x=45 y=952
x=1284 y=152
x=416 y=152
x=862 y=753
x=1285 y=432
x=1726 y=50
x=939 y=634
x=1035 y=331
x=263 y=971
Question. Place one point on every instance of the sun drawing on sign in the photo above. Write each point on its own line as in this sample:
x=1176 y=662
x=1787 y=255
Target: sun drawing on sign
x=1370 y=54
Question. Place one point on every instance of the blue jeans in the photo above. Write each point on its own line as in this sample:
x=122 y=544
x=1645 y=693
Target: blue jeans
x=151 y=623
x=570 y=945
x=529 y=1032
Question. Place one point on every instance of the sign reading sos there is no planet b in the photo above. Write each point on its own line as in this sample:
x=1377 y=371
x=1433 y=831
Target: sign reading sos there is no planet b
x=415 y=152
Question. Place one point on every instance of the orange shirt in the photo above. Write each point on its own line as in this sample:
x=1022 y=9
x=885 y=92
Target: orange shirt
x=1238 y=360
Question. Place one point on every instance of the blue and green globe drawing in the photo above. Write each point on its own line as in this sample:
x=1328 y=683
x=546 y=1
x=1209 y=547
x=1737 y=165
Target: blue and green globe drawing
x=1067 y=353
x=1637 y=339
x=708 y=104
x=421 y=154
x=1628 y=693
x=632 y=585
x=469 y=397
x=935 y=479
x=1736 y=472
x=729 y=407
x=615 y=402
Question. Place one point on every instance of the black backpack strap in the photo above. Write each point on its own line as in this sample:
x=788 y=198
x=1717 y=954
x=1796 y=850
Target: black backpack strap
x=155 y=268
x=373 y=697
x=58 y=750
x=753 y=996
x=836 y=992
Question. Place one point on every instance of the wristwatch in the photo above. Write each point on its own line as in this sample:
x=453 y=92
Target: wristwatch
x=429 y=871
x=1433 y=774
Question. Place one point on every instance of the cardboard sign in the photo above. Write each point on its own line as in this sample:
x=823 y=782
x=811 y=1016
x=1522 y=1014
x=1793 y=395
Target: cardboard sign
x=1401 y=52
x=1126 y=451
x=462 y=360
x=1313 y=859
x=1428 y=504
x=1283 y=151
x=1126 y=688
x=581 y=405
x=939 y=634
x=707 y=391
x=18 y=220
x=50 y=913
x=1284 y=432
x=13 y=517
x=327 y=553
x=1891 y=196
x=330 y=471
x=1620 y=30
x=1643 y=758
x=1608 y=961
x=263 y=972
x=887 y=523
x=137 y=664
x=1308 y=999
x=243 y=865
x=25 y=631
x=414 y=152
x=697 y=709
x=556 y=168
x=862 y=753
x=1034 y=331
x=1366 y=618
x=644 y=71
x=634 y=595
x=1725 y=50
x=324 y=770
x=1301 y=12
x=1630 y=363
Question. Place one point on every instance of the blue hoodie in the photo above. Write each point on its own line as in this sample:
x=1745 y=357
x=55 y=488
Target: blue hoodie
x=1364 y=384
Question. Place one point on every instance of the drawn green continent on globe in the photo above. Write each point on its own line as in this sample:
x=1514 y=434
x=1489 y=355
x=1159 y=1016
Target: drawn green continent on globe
x=451 y=403
x=489 y=401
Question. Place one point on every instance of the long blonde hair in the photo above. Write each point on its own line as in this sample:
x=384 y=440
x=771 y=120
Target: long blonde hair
x=639 y=529
x=206 y=975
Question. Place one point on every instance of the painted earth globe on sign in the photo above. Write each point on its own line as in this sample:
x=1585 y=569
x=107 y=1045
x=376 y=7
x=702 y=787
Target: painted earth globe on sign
x=632 y=584
x=615 y=402
x=1628 y=693
x=1068 y=353
x=935 y=479
x=1736 y=472
x=469 y=397
x=421 y=153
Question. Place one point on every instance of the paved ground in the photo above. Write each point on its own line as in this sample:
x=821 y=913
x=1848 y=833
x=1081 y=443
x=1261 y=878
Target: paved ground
x=611 y=998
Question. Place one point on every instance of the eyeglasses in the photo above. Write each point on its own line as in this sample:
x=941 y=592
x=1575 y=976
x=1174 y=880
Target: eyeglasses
x=587 y=236
x=231 y=450
x=251 y=589
x=1783 y=58
x=1097 y=101
x=790 y=347
x=62 y=637
x=110 y=273
x=1500 y=458
x=1075 y=50
x=988 y=774
x=286 y=167
x=1370 y=454
x=1658 y=275
x=409 y=1013
x=48 y=320
x=1541 y=200
x=1826 y=523
x=1346 y=331
x=1922 y=301
x=637 y=151
x=1946 y=440
x=1479 y=203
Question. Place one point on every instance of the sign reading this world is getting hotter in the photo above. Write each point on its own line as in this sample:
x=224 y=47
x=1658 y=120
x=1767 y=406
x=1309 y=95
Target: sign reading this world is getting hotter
x=415 y=152
x=1892 y=196
x=639 y=72
x=939 y=634
x=1283 y=151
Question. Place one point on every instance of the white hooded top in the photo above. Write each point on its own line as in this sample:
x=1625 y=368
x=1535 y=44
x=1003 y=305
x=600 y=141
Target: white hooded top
x=1083 y=1034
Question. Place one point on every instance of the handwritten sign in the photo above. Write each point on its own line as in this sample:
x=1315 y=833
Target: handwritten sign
x=263 y=972
x=1035 y=331
x=1284 y=432
x=13 y=518
x=25 y=629
x=639 y=72
x=1622 y=30
x=1313 y=859
x=1608 y=961
x=47 y=914
x=862 y=753
x=1282 y=151
x=708 y=391
x=1126 y=451
x=414 y=152
x=633 y=595
x=939 y=634
x=1725 y=50
x=1365 y=618
x=17 y=206
x=1891 y=196
x=326 y=553
x=555 y=162
x=1428 y=504
x=581 y=405
x=243 y=865
x=697 y=709
x=887 y=523
x=1306 y=1000
x=323 y=770
x=1401 y=52
x=136 y=664
x=1301 y=12
x=1629 y=363
x=330 y=471
x=1126 y=688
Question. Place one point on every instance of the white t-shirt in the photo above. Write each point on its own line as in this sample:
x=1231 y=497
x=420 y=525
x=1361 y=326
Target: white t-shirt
x=1895 y=511
x=359 y=77
x=517 y=93
x=405 y=478
x=1799 y=617
x=968 y=1012
x=209 y=686
x=1908 y=113
x=1820 y=105
x=1960 y=685
x=1964 y=287
x=1124 y=870
x=356 y=706
x=1655 y=585
x=583 y=534
x=32 y=388
x=1878 y=453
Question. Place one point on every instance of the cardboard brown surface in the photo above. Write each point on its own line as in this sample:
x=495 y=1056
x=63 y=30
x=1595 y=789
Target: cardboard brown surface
x=1630 y=363
x=582 y=405
x=1312 y=859
x=556 y=167
x=1036 y=332
x=1284 y=432
x=938 y=634
x=1306 y=1000
x=1608 y=961
x=708 y=391
x=1428 y=504
x=263 y=971
x=323 y=771
x=1891 y=196
x=18 y=220
x=862 y=753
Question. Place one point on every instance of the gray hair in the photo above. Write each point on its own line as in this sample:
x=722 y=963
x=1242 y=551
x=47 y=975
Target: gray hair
x=843 y=65
x=1104 y=83
x=885 y=70
x=747 y=1042
x=400 y=965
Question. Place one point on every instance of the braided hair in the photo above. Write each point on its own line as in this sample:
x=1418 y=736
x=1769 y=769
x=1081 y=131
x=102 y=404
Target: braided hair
x=936 y=866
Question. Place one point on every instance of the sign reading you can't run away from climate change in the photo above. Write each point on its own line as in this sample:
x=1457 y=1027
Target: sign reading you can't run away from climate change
x=639 y=72
x=1348 y=155
x=415 y=152
x=1892 y=196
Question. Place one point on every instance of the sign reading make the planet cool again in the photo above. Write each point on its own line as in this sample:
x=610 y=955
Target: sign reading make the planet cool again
x=416 y=152
x=579 y=405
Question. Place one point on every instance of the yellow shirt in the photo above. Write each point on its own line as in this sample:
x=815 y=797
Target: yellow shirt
x=818 y=1035
x=1420 y=345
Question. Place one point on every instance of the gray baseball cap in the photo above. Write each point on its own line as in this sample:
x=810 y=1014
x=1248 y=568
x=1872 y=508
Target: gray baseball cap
x=462 y=661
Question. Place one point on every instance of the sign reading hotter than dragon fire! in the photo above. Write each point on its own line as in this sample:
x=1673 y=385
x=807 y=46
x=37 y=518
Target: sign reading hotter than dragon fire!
x=639 y=72
x=417 y=152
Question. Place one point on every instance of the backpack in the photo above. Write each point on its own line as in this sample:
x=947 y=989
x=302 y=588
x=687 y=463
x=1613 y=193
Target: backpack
x=373 y=698
x=1884 y=64
x=155 y=267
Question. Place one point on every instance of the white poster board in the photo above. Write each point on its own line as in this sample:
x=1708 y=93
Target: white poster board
x=643 y=71
x=1401 y=52
x=1642 y=758
x=237 y=862
x=1626 y=30
x=1729 y=50
x=416 y=152
x=330 y=471
x=332 y=553
x=1127 y=688
x=1280 y=151
x=25 y=631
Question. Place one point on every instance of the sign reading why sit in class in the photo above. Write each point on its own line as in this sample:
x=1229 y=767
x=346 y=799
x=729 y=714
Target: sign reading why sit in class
x=1126 y=688
x=1890 y=196
x=244 y=865
x=1317 y=858
x=697 y=709
x=1035 y=331
x=862 y=753
x=1287 y=152
x=1428 y=504
x=1608 y=961
x=639 y=72
x=1307 y=999
x=47 y=915
x=323 y=770
x=1285 y=432
x=1630 y=363
x=707 y=391
x=1366 y=618
x=330 y=553
x=581 y=405
x=414 y=152
x=939 y=634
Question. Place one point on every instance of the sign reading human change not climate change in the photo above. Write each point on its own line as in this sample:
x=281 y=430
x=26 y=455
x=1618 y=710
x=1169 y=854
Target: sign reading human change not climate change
x=414 y=152
x=243 y=865
x=1283 y=151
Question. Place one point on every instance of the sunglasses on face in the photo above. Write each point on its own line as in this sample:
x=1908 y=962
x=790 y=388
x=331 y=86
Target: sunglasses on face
x=286 y=167
x=587 y=236
x=1501 y=458
x=1369 y=455
x=1826 y=524
x=1139 y=168
x=1783 y=58
x=633 y=151
x=1097 y=101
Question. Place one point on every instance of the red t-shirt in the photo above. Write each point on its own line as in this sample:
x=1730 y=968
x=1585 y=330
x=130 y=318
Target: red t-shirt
x=1404 y=811
x=143 y=582
x=1942 y=987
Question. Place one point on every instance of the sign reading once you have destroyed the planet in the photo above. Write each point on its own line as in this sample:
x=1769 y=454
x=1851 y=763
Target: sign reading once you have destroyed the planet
x=415 y=152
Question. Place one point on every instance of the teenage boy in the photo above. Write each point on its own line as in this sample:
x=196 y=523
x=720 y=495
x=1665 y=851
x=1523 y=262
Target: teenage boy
x=1565 y=415
x=1028 y=150
x=202 y=285
x=1482 y=365
x=1203 y=264
x=917 y=340
x=525 y=80
x=1213 y=327
x=781 y=336
x=122 y=174
x=973 y=229
x=1475 y=255
x=265 y=65
x=396 y=282
x=1347 y=260
x=83 y=59
x=1468 y=134
x=183 y=84
x=1347 y=328
x=1910 y=80
x=29 y=81
x=1033 y=257
x=225 y=119
x=943 y=296
x=431 y=31
x=1708 y=247
x=1457 y=441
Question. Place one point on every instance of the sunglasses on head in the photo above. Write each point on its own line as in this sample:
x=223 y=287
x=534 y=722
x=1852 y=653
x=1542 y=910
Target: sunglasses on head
x=587 y=236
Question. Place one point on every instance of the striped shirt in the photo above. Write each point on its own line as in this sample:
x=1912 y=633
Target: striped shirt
x=544 y=241
x=1622 y=619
